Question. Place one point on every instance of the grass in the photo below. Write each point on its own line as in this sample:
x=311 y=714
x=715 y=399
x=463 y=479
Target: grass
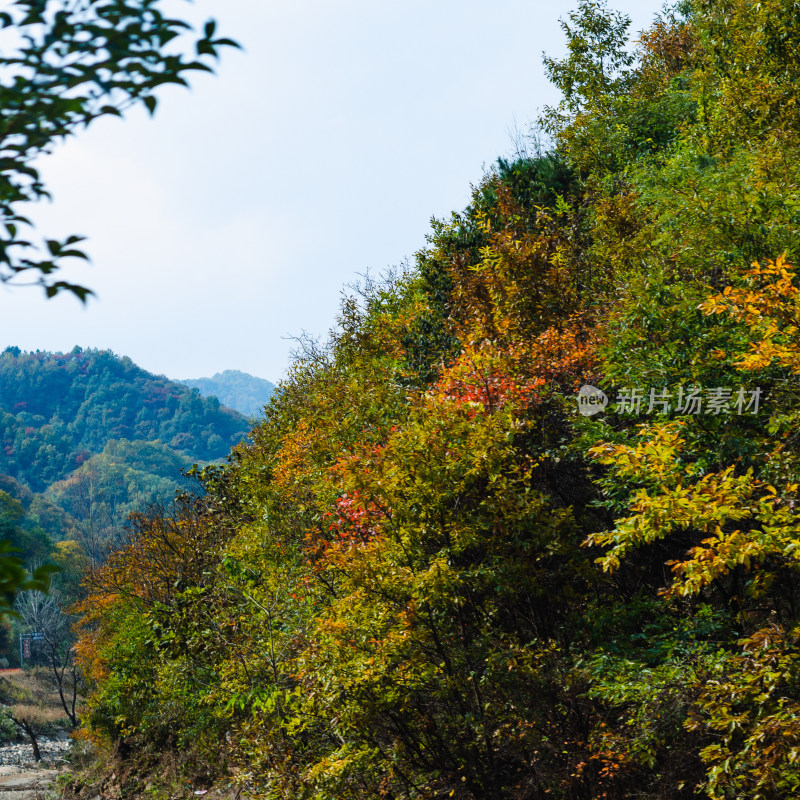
x=32 y=695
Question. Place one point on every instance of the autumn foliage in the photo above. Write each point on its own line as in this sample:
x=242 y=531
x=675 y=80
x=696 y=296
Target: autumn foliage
x=427 y=575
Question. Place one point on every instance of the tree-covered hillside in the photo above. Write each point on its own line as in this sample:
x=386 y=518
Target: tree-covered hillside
x=432 y=572
x=56 y=410
x=235 y=389
x=70 y=477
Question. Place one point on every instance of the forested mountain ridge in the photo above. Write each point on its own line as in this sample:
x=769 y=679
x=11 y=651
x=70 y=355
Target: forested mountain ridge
x=86 y=439
x=431 y=572
x=57 y=409
x=235 y=389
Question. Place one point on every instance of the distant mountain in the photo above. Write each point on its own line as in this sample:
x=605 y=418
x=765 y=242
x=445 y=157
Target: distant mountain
x=86 y=439
x=59 y=409
x=235 y=389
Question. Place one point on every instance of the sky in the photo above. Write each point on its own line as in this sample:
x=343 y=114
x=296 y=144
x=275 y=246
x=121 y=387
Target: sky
x=232 y=220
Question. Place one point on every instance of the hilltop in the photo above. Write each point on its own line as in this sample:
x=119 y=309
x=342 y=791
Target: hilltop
x=87 y=437
x=235 y=389
x=58 y=409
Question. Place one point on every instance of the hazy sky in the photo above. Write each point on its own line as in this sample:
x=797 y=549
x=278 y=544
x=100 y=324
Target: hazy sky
x=233 y=219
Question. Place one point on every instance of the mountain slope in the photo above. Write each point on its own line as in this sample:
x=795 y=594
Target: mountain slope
x=56 y=410
x=235 y=389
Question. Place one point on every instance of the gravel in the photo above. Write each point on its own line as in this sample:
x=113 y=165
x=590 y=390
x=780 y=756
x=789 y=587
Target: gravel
x=52 y=749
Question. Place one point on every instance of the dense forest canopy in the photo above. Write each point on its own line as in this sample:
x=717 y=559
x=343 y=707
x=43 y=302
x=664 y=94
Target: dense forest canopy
x=70 y=477
x=427 y=574
x=87 y=438
x=57 y=409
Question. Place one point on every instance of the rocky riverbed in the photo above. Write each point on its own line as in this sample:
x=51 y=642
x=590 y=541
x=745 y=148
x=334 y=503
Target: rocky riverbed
x=20 y=754
x=22 y=778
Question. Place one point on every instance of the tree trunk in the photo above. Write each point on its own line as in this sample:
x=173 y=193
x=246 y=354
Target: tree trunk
x=58 y=672
x=25 y=725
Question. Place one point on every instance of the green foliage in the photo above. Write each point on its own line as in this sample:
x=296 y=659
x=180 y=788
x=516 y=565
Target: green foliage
x=598 y=61
x=123 y=478
x=57 y=410
x=21 y=538
x=21 y=532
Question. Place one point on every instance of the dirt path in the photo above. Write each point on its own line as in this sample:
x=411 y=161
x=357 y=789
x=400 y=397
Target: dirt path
x=19 y=783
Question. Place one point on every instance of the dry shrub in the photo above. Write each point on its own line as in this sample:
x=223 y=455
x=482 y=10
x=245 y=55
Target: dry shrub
x=37 y=716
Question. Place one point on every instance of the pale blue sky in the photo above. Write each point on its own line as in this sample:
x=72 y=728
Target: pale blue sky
x=234 y=218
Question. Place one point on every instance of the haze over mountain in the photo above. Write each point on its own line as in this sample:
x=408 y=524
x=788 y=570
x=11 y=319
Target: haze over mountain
x=235 y=389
